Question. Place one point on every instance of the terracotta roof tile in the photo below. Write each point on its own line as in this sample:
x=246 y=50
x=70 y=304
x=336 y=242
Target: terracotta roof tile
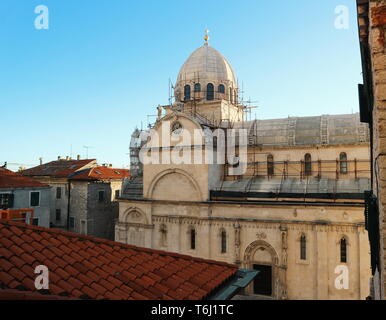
x=10 y=179
x=89 y=268
x=77 y=284
x=100 y=173
x=16 y=240
x=59 y=168
x=90 y=292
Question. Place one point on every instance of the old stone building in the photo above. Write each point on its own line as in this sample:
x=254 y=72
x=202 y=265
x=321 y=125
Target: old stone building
x=372 y=33
x=56 y=175
x=295 y=213
x=18 y=192
x=83 y=194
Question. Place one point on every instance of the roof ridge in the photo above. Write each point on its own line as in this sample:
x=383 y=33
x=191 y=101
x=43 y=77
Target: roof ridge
x=111 y=242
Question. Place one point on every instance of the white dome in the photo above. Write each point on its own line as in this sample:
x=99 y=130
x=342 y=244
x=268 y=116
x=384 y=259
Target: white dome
x=207 y=64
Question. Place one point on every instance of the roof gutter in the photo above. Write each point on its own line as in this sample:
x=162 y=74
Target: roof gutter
x=240 y=281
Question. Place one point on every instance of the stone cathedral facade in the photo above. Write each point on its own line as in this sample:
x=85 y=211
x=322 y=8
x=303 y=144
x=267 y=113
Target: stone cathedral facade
x=296 y=213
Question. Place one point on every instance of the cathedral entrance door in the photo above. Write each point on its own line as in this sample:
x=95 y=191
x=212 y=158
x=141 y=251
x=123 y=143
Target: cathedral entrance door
x=263 y=282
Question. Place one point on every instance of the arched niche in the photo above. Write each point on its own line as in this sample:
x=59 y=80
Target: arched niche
x=174 y=184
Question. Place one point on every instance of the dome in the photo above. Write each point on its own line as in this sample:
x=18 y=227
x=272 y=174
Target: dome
x=209 y=65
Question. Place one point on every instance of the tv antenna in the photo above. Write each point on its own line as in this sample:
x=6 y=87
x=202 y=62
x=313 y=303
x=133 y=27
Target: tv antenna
x=87 y=147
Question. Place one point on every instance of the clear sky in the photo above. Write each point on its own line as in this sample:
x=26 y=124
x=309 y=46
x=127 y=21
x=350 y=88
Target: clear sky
x=103 y=66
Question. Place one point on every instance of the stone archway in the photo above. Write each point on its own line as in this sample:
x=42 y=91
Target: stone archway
x=261 y=253
x=134 y=228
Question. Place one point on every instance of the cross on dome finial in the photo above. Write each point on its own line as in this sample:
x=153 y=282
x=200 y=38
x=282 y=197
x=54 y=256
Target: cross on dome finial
x=206 y=37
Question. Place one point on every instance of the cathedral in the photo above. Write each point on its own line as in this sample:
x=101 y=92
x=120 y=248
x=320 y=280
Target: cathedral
x=295 y=212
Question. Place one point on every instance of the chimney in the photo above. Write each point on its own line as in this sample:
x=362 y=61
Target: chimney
x=67 y=158
x=59 y=158
x=41 y=160
x=78 y=157
x=110 y=165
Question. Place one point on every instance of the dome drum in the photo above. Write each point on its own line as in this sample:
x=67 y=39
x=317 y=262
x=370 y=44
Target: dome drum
x=206 y=75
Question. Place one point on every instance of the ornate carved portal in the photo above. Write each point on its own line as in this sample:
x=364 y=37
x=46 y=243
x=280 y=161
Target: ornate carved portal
x=262 y=253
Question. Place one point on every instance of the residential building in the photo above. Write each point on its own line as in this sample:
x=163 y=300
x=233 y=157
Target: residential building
x=84 y=194
x=19 y=192
x=55 y=174
x=93 y=206
x=372 y=94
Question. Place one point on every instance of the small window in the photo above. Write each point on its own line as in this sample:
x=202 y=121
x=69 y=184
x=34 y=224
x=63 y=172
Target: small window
x=192 y=239
x=210 y=91
x=343 y=250
x=221 y=88
x=307 y=165
x=58 y=193
x=6 y=200
x=117 y=193
x=35 y=199
x=58 y=214
x=197 y=87
x=223 y=241
x=270 y=166
x=163 y=239
x=83 y=227
x=101 y=195
x=303 y=248
x=72 y=222
x=187 y=92
x=343 y=162
x=35 y=221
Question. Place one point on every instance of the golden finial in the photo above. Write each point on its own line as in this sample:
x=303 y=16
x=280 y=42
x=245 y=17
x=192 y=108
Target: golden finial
x=206 y=37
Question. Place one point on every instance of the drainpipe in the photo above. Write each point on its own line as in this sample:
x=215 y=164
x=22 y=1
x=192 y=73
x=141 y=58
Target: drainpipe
x=68 y=205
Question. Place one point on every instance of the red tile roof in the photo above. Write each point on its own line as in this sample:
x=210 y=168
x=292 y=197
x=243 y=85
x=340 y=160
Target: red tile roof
x=90 y=268
x=10 y=179
x=59 y=168
x=101 y=173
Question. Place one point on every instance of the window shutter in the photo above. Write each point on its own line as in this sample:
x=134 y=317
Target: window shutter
x=11 y=200
x=372 y=226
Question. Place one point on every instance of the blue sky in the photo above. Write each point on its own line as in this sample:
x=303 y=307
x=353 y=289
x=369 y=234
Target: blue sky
x=103 y=66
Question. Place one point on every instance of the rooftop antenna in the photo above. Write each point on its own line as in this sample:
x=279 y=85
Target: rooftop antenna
x=87 y=147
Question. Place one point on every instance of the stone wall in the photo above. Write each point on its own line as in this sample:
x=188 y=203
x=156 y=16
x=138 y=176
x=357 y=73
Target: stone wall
x=260 y=234
x=372 y=32
x=377 y=36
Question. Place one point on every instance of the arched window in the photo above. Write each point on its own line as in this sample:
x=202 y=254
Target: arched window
x=307 y=165
x=223 y=241
x=221 y=88
x=343 y=162
x=343 y=250
x=270 y=166
x=303 y=247
x=210 y=91
x=197 y=87
x=187 y=92
x=192 y=239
